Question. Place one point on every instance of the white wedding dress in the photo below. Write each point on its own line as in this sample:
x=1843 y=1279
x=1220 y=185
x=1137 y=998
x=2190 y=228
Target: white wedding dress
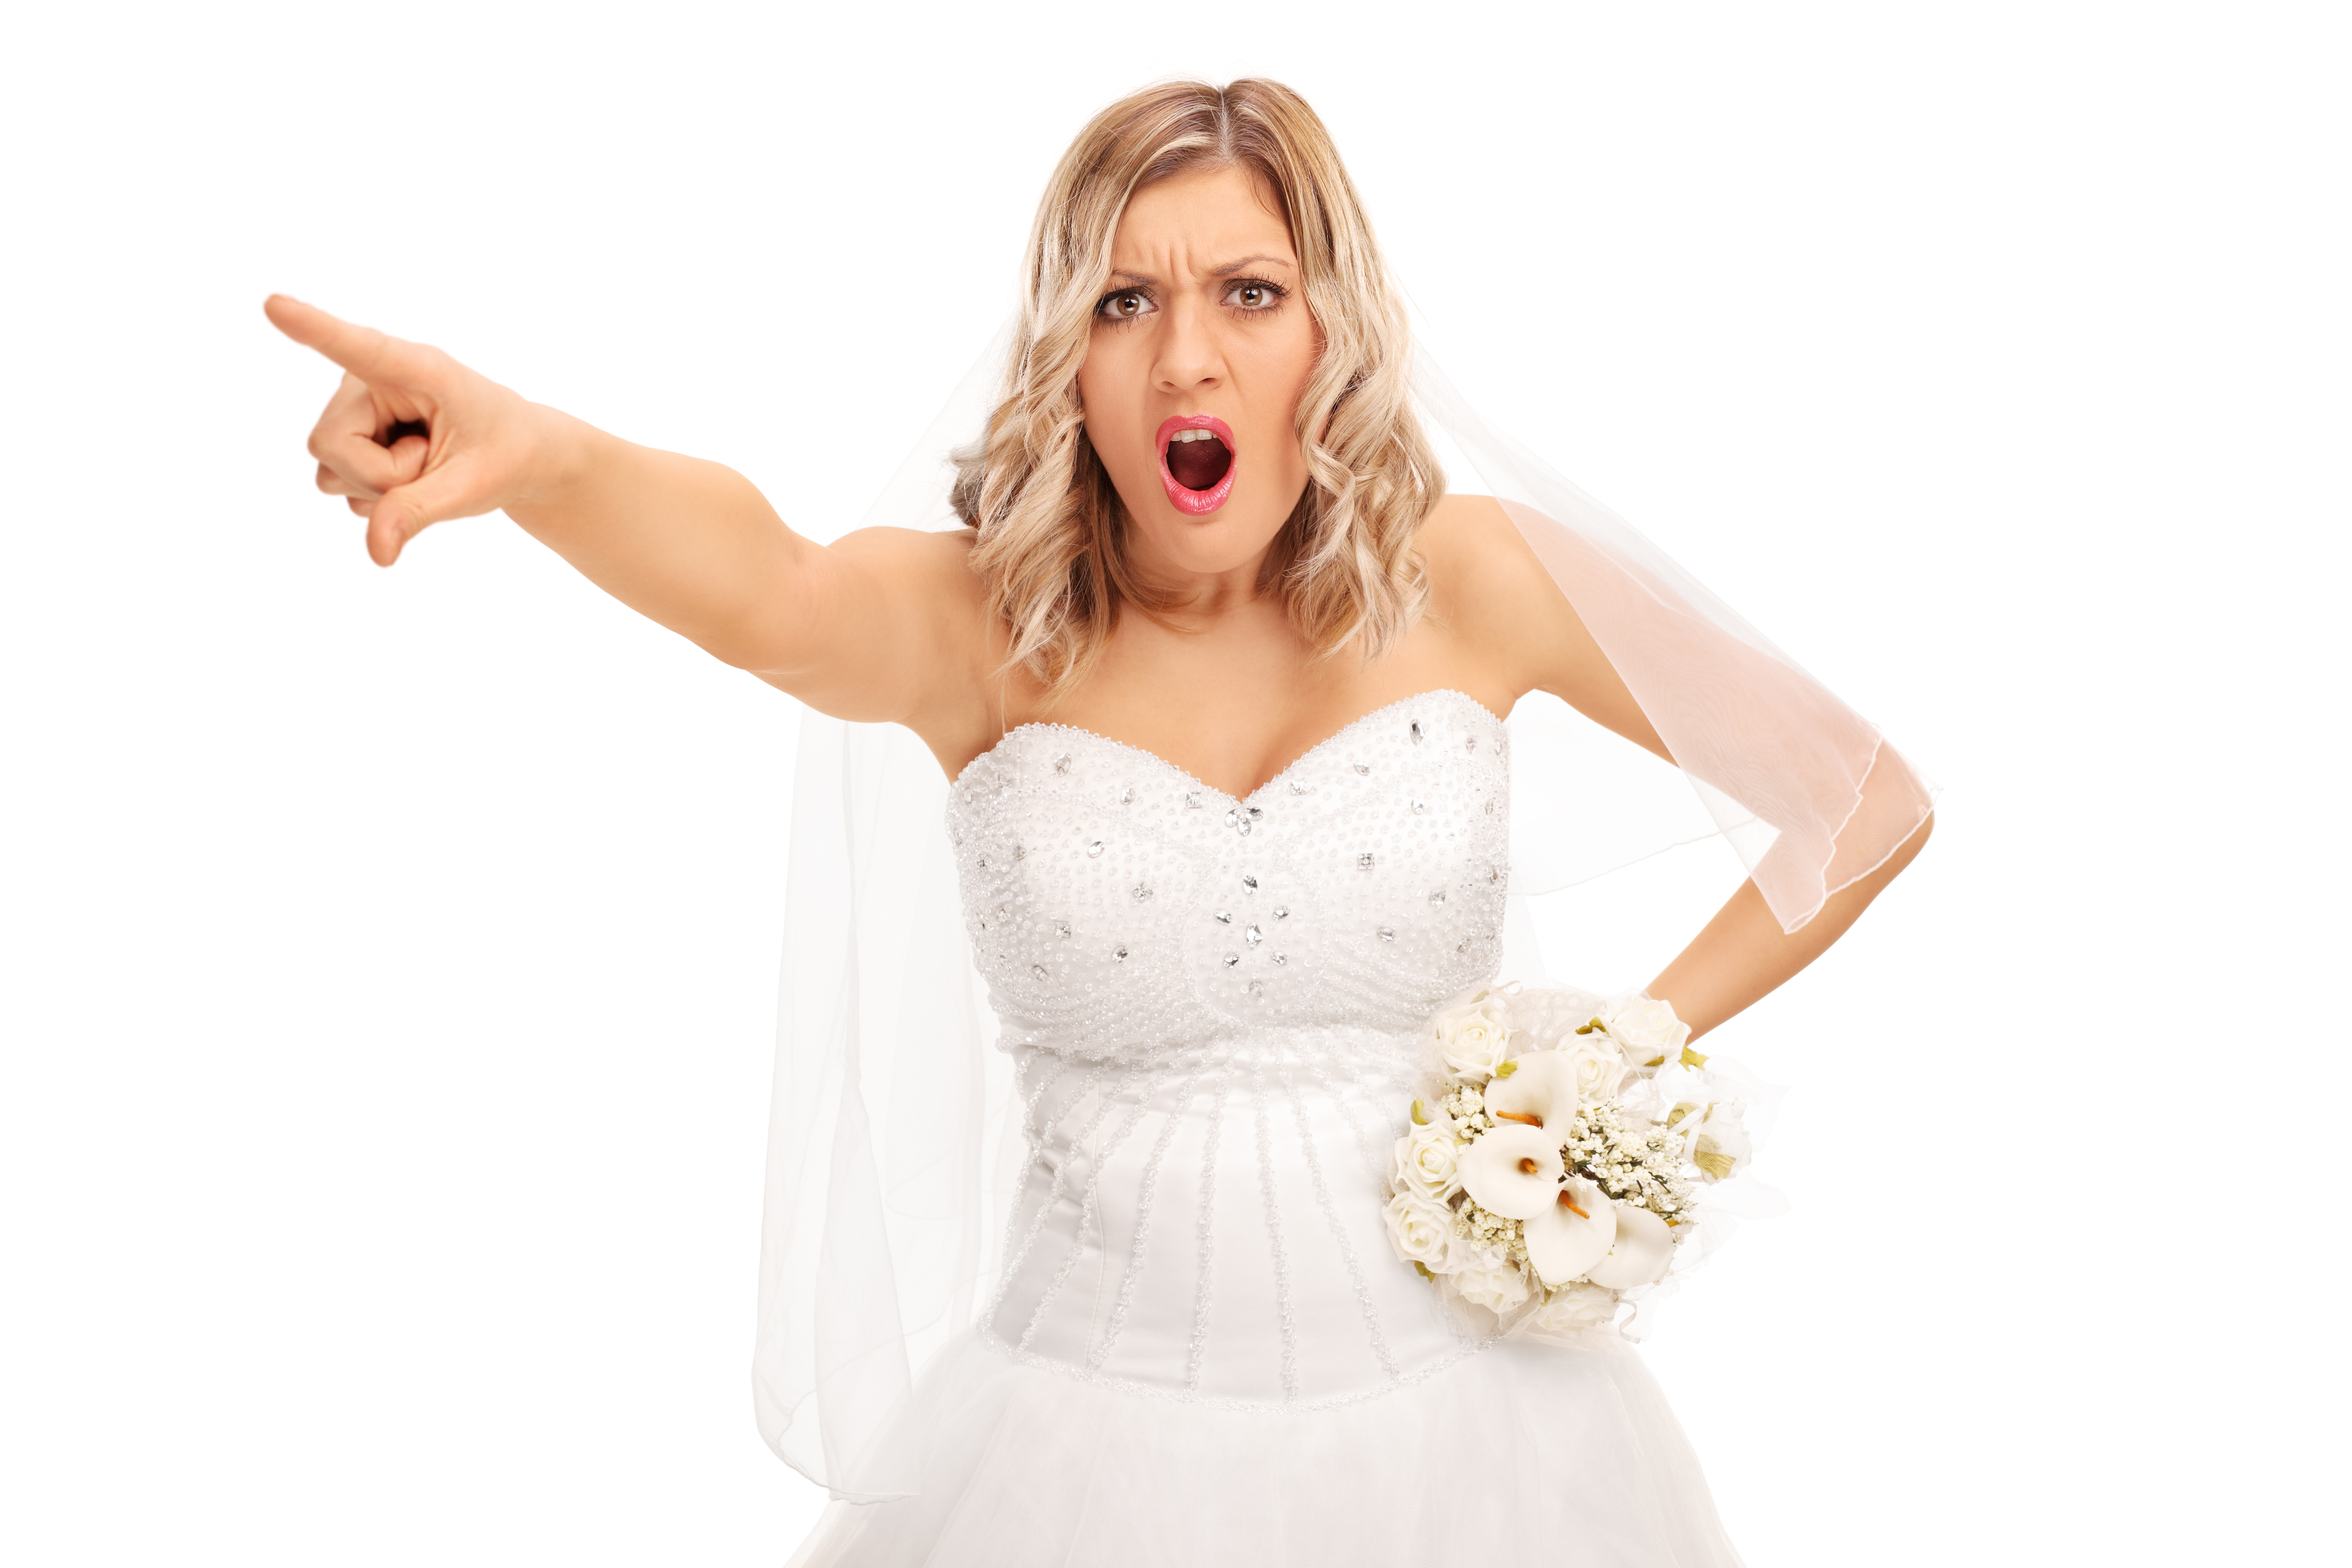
x=1201 y=1349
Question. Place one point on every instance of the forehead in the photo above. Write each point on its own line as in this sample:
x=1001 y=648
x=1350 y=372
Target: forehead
x=1203 y=214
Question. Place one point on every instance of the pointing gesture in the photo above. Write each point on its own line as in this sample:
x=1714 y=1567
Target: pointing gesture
x=411 y=437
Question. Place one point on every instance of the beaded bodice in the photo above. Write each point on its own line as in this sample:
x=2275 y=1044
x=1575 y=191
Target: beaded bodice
x=1120 y=908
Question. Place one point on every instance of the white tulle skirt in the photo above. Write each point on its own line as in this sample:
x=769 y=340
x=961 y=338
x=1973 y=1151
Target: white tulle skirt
x=1521 y=1453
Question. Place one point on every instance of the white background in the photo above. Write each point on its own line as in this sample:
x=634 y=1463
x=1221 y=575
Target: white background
x=389 y=956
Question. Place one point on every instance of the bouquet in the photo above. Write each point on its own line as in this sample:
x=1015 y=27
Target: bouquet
x=1557 y=1159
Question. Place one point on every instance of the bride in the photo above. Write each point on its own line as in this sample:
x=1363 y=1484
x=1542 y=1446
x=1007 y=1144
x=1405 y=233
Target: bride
x=1219 y=672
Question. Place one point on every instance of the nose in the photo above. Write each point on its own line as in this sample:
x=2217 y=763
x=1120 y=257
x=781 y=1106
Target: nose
x=1191 y=356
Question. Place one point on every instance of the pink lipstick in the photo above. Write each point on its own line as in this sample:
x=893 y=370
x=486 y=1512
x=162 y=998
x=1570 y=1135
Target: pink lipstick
x=1197 y=460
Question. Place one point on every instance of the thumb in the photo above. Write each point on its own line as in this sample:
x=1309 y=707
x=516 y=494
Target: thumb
x=400 y=514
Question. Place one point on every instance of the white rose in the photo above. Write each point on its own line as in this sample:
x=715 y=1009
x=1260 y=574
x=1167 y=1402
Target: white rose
x=1598 y=1065
x=1497 y=1289
x=1425 y=1161
x=1574 y=1309
x=1421 y=1230
x=1647 y=1029
x=1472 y=1037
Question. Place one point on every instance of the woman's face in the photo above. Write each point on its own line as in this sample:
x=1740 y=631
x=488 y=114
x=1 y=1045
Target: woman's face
x=1192 y=380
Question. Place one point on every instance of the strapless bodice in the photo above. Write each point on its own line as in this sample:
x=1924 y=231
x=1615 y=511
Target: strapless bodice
x=1120 y=908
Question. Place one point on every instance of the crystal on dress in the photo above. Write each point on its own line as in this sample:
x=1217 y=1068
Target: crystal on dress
x=1021 y=852
x=1093 y=849
x=1118 y=952
x=1192 y=800
x=1417 y=736
x=1282 y=958
x=1062 y=928
x=1142 y=893
x=1361 y=767
x=1364 y=861
x=1037 y=970
x=1231 y=959
x=1223 y=917
x=1061 y=762
x=1127 y=796
x=1282 y=912
x=1420 y=806
x=1300 y=786
x=1249 y=884
x=1387 y=933
x=1437 y=898
x=1253 y=936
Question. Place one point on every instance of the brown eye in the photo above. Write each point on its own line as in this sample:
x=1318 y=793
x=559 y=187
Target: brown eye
x=1254 y=296
x=1124 y=307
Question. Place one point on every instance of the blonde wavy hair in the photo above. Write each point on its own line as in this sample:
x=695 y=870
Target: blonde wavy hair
x=1051 y=546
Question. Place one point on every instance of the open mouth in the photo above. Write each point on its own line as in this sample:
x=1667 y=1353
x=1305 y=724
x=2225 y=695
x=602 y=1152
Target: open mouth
x=1196 y=462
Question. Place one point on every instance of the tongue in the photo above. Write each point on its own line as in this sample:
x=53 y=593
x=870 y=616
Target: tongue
x=1198 y=465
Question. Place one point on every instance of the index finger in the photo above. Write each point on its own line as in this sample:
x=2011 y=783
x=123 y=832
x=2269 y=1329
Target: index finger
x=364 y=351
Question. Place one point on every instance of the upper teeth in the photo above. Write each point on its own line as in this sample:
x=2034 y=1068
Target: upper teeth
x=1192 y=435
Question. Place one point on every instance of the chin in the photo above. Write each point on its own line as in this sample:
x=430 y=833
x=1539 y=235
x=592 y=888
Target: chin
x=1225 y=540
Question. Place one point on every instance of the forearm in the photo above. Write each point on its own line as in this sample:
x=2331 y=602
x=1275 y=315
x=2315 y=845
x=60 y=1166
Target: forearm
x=689 y=543
x=1743 y=956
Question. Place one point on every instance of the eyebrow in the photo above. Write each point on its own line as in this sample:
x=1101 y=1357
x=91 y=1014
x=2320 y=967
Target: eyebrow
x=1227 y=270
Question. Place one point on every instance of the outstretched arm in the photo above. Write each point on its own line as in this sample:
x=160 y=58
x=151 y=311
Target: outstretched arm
x=869 y=628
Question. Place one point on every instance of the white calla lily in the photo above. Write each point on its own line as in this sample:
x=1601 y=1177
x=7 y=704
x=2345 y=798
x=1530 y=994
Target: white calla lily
x=1512 y=1170
x=1639 y=1255
x=1572 y=1233
x=1540 y=1091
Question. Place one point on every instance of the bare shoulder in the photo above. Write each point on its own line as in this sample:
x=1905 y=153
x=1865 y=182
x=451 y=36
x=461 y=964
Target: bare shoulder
x=1476 y=556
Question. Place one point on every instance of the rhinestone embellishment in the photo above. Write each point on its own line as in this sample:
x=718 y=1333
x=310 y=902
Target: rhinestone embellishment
x=1037 y=970
x=1142 y=894
x=1437 y=899
x=1061 y=762
x=1364 y=861
x=1093 y=849
x=1420 y=806
x=1249 y=884
x=1231 y=959
x=1361 y=767
x=1387 y=933
x=1062 y=929
x=1253 y=936
x=1119 y=951
x=1417 y=736
x=1223 y=917
x=1192 y=800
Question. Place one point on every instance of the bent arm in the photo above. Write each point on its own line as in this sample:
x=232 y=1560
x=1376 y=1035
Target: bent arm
x=1743 y=956
x=1525 y=629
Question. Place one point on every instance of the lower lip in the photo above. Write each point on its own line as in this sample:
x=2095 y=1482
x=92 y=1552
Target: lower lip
x=1198 y=503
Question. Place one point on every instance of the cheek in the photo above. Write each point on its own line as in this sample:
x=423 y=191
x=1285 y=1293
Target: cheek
x=1106 y=400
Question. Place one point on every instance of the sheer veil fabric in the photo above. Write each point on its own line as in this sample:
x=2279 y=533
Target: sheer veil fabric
x=895 y=1140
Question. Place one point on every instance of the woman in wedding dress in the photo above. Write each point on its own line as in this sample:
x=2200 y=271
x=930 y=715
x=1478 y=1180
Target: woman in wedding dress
x=1219 y=672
